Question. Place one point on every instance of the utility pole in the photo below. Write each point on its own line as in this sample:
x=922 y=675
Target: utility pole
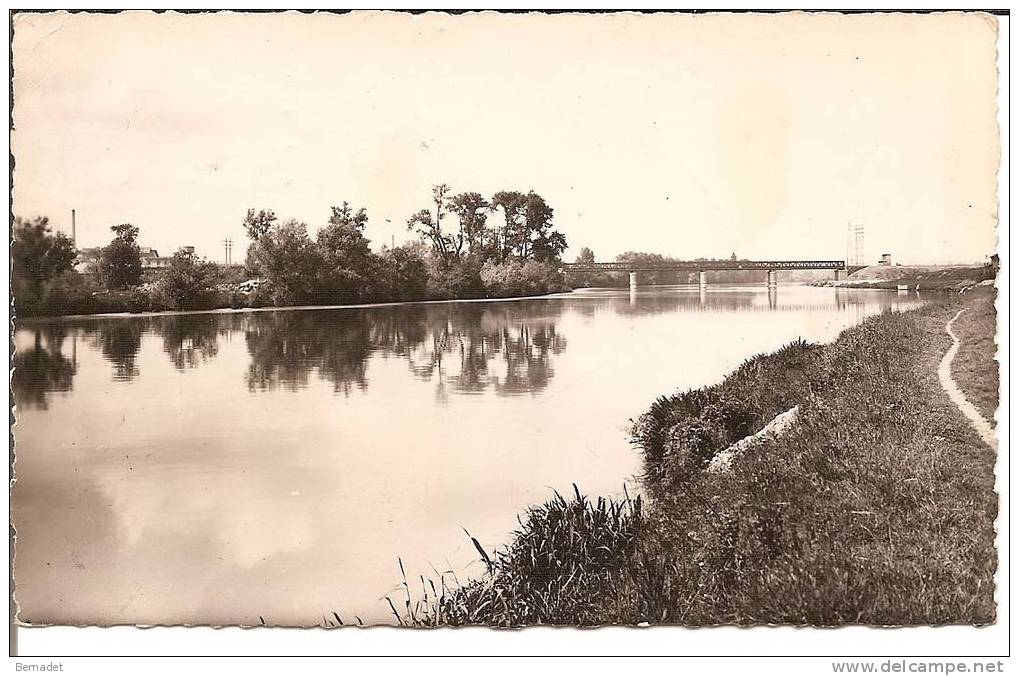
x=74 y=231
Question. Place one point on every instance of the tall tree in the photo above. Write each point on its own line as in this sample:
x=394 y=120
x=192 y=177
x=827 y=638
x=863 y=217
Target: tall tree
x=38 y=255
x=259 y=223
x=349 y=263
x=548 y=247
x=429 y=227
x=513 y=205
x=344 y=215
x=120 y=262
x=537 y=223
x=426 y=228
x=585 y=256
x=472 y=211
x=439 y=193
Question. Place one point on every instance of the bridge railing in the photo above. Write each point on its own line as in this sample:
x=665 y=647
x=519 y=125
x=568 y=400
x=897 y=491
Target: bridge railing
x=696 y=266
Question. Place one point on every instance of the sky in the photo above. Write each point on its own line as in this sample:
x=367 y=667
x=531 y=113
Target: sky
x=685 y=135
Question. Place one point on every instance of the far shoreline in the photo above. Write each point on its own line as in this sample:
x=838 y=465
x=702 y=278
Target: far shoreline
x=39 y=319
x=273 y=308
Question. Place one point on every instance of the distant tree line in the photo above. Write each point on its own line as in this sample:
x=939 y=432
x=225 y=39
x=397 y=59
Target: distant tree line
x=458 y=253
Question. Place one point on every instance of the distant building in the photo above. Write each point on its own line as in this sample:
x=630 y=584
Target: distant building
x=733 y=256
x=86 y=259
x=886 y=259
x=151 y=260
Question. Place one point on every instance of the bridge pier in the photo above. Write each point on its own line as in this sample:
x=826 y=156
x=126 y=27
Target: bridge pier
x=839 y=274
x=633 y=281
x=772 y=279
x=702 y=280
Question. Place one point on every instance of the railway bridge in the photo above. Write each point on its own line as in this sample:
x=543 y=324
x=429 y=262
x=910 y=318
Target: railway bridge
x=773 y=267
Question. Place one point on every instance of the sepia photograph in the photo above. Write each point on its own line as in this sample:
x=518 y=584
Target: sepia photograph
x=426 y=319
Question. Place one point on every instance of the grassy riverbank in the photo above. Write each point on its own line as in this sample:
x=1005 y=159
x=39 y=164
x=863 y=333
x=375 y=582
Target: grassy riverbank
x=975 y=368
x=876 y=507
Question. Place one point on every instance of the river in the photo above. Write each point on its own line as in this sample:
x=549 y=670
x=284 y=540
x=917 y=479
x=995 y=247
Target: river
x=235 y=467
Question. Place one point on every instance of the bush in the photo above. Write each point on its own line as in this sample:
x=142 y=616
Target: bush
x=404 y=274
x=187 y=282
x=454 y=279
x=69 y=293
x=521 y=278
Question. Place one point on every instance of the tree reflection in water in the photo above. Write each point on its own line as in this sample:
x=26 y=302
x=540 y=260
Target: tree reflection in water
x=456 y=345
x=42 y=369
x=119 y=341
x=191 y=340
x=468 y=348
x=507 y=348
x=286 y=346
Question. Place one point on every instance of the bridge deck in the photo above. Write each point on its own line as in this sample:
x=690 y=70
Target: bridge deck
x=696 y=266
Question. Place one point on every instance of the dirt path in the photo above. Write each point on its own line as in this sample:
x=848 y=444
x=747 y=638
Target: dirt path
x=978 y=422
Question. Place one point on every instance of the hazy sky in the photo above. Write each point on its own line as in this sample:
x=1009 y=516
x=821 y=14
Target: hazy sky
x=685 y=135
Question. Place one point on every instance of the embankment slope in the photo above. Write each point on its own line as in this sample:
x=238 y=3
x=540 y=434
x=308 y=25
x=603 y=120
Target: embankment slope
x=877 y=507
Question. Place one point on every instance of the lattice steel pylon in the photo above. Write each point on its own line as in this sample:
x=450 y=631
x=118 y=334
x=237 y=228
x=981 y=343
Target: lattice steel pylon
x=855 y=252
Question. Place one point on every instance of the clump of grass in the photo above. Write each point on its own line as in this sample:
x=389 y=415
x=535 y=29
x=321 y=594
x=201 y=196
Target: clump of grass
x=429 y=608
x=566 y=551
x=680 y=434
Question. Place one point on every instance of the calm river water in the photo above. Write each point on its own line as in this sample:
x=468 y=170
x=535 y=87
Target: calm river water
x=218 y=468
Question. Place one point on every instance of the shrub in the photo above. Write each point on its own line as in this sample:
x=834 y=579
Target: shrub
x=521 y=278
x=187 y=281
x=454 y=279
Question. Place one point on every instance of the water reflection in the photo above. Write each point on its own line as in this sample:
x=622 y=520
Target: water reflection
x=286 y=347
x=119 y=342
x=42 y=368
x=467 y=348
x=190 y=340
x=508 y=348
